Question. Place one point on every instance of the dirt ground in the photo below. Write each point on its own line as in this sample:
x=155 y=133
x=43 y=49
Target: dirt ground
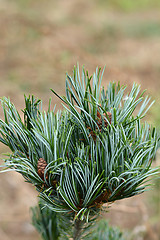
x=42 y=40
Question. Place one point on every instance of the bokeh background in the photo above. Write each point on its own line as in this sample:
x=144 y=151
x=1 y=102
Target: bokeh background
x=42 y=40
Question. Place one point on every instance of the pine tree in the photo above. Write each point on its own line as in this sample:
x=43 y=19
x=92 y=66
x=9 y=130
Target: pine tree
x=94 y=152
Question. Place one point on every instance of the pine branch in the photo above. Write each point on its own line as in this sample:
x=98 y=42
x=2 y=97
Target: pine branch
x=95 y=151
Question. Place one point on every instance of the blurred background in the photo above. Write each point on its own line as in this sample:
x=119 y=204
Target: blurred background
x=42 y=40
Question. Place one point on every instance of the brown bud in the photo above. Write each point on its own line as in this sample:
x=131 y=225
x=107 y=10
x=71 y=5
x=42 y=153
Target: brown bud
x=109 y=118
x=41 y=167
x=98 y=115
x=107 y=115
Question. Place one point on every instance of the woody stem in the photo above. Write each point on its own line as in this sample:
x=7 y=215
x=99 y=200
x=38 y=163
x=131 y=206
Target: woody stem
x=77 y=229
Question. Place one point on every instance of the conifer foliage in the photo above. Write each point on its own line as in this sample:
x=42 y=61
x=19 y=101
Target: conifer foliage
x=93 y=152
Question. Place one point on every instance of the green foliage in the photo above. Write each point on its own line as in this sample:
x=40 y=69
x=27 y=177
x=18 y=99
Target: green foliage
x=95 y=151
x=31 y=111
x=102 y=231
x=154 y=202
x=45 y=221
x=128 y=6
x=49 y=224
x=53 y=226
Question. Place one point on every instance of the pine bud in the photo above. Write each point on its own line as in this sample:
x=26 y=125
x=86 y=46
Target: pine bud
x=41 y=167
x=109 y=117
x=98 y=115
